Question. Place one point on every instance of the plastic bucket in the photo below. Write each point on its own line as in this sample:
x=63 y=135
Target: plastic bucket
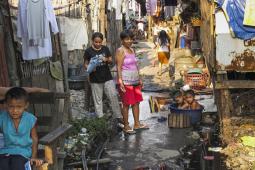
x=195 y=115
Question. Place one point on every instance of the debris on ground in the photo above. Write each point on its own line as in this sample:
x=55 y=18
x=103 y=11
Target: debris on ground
x=239 y=134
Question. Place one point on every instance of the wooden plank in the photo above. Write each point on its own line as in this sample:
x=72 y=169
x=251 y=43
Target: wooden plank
x=178 y=120
x=4 y=80
x=235 y=84
x=181 y=120
x=36 y=83
x=46 y=108
x=46 y=98
x=44 y=120
x=52 y=136
x=174 y=120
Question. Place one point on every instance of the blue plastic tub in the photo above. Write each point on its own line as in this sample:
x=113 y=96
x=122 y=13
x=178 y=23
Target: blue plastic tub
x=195 y=115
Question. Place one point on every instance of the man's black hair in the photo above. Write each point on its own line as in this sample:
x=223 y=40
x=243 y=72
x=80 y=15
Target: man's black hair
x=126 y=34
x=191 y=92
x=17 y=93
x=97 y=35
x=177 y=94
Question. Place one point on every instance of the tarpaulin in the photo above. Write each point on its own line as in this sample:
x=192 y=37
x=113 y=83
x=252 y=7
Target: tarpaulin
x=235 y=10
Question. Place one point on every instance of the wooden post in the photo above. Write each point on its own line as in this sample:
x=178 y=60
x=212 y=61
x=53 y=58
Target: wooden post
x=149 y=27
x=5 y=20
x=223 y=99
x=102 y=16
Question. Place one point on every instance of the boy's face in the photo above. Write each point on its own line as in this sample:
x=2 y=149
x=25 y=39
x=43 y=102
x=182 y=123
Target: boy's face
x=179 y=99
x=189 y=98
x=16 y=107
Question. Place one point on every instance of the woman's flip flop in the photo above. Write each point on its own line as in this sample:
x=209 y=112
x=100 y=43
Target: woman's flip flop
x=129 y=131
x=142 y=127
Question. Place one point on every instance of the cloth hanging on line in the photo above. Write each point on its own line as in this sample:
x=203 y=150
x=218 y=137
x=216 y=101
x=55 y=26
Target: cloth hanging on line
x=74 y=32
x=169 y=12
x=249 y=15
x=234 y=10
x=33 y=27
x=35 y=22
x=151 y=6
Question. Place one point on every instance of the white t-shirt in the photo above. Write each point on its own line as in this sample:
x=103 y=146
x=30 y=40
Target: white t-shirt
x=163 y=48
x=155 y=30
x=140 y=26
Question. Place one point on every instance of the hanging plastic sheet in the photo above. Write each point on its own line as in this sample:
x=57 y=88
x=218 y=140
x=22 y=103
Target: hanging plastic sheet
x=235 y=10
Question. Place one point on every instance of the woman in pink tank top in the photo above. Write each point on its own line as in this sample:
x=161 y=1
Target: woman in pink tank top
x=129 y=81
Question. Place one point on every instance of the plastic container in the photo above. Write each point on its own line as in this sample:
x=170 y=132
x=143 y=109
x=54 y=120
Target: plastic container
x=195 y=115
x=196 y=81
x=78 y=82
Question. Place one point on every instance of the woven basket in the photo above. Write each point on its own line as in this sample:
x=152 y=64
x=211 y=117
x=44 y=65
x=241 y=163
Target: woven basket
x=196 y=81
x=196 y=22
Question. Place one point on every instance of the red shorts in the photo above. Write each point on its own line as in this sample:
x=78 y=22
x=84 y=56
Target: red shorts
x=132 y=95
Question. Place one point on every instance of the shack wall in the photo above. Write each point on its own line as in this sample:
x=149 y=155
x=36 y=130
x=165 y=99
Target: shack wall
x=232 y=53
x=207 y=33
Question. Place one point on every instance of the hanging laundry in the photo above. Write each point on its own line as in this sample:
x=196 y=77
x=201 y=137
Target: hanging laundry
x=190 y=32
x=234 y=10
x=74 y=32
x=249 y=15
x=36 y=22
x=169 y=12
x=35 y=33
x=151 y=6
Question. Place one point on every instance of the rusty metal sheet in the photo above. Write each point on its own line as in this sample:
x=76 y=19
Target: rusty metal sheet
x=232 y=53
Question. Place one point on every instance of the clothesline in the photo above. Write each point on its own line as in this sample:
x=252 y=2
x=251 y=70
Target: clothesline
x=56 y=8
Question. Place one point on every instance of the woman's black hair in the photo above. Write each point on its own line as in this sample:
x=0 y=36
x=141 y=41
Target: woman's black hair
x=163 y=38
x=97 y=34
x=17 y=93
x=126 y=34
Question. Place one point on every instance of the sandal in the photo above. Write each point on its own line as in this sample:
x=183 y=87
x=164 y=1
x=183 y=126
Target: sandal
x=129 y=131
x=142 y=127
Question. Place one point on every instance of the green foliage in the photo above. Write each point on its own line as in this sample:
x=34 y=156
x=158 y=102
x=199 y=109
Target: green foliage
x=86 y=132
x=96 y=127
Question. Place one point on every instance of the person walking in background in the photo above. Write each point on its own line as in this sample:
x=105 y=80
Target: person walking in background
x=129 y=81
x=96 y=61
x=163 y=49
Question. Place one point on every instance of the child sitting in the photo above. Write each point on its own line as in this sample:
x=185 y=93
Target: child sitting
x=20 y=135
x=179 y=99
x=190 y=99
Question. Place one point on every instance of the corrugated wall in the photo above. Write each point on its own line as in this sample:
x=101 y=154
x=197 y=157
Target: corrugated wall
x=4 y=78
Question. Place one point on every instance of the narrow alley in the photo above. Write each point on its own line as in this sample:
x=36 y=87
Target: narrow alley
x=149 y=148
x=127 y=85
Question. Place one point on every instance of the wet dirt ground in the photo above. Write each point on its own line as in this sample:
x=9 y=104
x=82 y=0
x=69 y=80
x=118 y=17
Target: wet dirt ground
x=158 y=144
